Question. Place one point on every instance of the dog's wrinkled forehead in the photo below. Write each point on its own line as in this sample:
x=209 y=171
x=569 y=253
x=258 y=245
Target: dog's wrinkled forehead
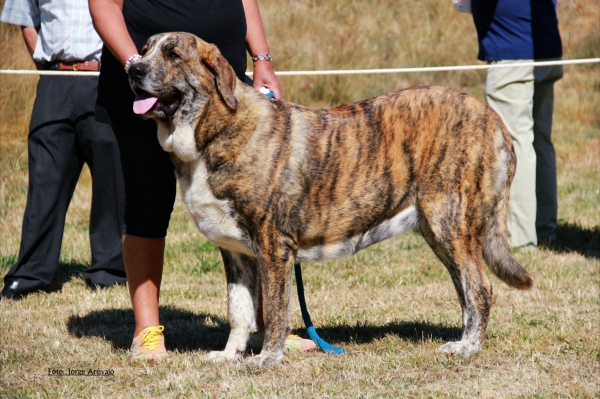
x=162 y=44
x=174 y=45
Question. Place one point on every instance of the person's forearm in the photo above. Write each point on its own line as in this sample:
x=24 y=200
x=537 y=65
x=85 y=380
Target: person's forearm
x=30 y=35
x=107 y=16
x=256 y=40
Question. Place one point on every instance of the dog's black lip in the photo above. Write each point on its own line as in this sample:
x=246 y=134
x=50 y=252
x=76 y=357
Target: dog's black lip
x=139 y=91
x=168 y=104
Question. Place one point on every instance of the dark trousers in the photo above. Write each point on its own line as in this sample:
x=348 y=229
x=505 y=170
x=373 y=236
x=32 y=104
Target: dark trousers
x=63 y=135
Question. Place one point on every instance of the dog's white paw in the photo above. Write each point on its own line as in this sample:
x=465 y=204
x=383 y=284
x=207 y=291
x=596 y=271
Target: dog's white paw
x=462 y=348
x=222 y=356
x=264 y=360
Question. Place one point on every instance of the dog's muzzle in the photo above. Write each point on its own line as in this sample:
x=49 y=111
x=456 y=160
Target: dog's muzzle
x=137 y=72
x=145 y=102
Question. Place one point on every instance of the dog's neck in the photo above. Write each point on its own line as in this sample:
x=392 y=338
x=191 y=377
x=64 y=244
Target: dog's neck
x=215 y=119
x=223 y=133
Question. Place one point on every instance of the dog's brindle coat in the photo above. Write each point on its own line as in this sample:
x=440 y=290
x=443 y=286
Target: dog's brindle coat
x=272 y=183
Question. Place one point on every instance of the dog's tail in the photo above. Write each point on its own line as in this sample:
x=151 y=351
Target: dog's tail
x=496 y=249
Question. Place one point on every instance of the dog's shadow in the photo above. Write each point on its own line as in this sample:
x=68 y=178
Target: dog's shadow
x=409 y=331
x=186 y=331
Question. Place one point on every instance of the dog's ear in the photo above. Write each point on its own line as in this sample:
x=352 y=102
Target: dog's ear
x=224 y=74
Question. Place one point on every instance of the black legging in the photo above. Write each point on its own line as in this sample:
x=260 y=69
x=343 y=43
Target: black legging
x=150 y=184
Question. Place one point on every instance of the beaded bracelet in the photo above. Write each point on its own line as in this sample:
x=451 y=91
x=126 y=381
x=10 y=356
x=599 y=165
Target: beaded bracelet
x=262 y=57
x=132 y=60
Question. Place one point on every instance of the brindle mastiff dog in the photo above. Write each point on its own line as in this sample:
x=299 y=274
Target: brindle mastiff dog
x=272 y=183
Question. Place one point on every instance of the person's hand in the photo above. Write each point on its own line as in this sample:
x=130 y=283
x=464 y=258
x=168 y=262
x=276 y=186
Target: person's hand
x=264 y=76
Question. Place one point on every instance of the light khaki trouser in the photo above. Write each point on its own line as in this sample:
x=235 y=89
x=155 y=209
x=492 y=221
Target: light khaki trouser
x=524 y=98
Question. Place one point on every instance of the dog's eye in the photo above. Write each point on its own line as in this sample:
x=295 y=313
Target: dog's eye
x=144 y=50
x=173 y=55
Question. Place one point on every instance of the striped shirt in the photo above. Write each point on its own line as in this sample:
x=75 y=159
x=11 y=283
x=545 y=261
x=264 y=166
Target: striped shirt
x=65 y=28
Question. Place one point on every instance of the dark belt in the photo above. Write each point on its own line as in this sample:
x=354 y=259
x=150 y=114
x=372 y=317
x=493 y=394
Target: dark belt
x=84 y=66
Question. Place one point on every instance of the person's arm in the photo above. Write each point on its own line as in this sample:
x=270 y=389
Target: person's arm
x=107 y=16
x=256 y=42
x=30 y=35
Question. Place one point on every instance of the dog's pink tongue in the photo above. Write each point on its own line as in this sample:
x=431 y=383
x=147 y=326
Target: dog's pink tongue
x=143 y=103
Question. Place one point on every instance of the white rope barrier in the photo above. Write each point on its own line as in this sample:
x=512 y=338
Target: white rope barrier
x=347 y=71
x=46 y=73
x=438 y=69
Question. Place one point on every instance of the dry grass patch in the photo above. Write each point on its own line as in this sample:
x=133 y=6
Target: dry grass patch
x=390 y=306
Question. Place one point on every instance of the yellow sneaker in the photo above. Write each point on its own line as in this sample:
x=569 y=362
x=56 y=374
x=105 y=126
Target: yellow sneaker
x=296 y=343
x=293 y=343
x=149 y=344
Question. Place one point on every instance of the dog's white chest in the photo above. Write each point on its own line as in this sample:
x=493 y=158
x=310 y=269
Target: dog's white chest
x=215 y=218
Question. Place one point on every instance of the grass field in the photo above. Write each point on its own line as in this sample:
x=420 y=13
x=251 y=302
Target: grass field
x=390 y=306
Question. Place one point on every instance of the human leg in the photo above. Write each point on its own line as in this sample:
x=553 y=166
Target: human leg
x=98 y=147
x=53 y=172
x=509 y=91
x=543 y=106
x=144 y=259
x=150 y=193
x=144 y=264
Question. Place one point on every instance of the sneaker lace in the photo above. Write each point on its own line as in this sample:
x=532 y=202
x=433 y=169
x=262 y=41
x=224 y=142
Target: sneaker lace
x=151 y=338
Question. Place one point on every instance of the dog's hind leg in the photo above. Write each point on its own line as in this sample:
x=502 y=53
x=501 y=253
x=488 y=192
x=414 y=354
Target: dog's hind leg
x=242 y=293
x=460 y=251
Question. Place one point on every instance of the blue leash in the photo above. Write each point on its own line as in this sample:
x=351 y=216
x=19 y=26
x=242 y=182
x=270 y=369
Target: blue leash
x=312 y=333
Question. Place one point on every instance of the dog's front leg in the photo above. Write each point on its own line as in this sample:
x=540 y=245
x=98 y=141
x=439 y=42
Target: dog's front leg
x=242 y=292
x=276 y=272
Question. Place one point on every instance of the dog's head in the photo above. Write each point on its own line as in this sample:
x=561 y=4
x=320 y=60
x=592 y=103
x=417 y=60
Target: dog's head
x=178 y=72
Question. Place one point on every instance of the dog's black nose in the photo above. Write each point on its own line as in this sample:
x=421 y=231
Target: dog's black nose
x=137 y=71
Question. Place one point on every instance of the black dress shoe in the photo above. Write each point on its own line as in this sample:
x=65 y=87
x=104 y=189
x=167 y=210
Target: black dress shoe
x=11 y=290
x=99 y=287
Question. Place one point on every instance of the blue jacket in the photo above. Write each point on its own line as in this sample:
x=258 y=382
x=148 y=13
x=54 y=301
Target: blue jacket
x=516 y=29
